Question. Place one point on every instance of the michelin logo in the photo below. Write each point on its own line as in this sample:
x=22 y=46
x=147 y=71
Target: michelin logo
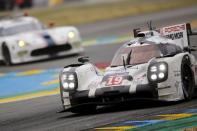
x=175 y=36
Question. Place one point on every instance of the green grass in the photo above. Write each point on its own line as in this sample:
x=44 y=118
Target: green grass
x=184 y=124
x=64 y=15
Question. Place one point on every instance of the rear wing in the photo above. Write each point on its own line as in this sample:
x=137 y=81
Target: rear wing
x=179 y=33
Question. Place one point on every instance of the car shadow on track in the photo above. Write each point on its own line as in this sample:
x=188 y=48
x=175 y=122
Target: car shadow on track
x=130 y=106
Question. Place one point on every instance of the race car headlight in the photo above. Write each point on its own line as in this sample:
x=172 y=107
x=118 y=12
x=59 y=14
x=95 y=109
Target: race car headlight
x=65 y=85
x=161 y=75
x=158 y=72
x=71 y=85
x=71 y=34
x=68 y=81
x=153 y=77
x=162 y=67
x=21 y=43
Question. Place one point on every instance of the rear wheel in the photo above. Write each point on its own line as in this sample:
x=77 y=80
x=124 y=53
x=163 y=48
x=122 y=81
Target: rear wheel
x=187 y=78
x=6 y=55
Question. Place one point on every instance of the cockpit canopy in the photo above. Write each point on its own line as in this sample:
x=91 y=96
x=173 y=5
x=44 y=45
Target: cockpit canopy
x=139 y=54
x=20 y=25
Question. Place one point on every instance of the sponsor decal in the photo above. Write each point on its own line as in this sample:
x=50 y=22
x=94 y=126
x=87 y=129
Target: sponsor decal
x=92 y=69
x=177 y=33
x=116 y=73
x=177 y=73
x=175 y=36
x=174 y=32
x=140 y=78
x=177 y=83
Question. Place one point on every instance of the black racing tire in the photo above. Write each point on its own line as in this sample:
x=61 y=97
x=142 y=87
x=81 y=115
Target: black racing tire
x=187 y=78
x=6 y=55
x=86 y=109
x=62 y=101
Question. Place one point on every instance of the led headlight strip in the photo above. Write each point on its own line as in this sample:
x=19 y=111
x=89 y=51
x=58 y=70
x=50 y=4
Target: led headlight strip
x=158 y=72
x=69 y=81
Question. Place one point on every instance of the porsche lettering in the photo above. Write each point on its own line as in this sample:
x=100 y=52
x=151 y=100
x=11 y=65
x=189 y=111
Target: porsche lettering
x=174 y=28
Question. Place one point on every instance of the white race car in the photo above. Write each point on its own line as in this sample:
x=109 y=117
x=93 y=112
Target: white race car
x=155 y=65
x=25 y=39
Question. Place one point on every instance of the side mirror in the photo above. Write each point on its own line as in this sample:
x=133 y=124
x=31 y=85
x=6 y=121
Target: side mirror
x=188 y=49
x=135 y=32
x=83 y=59
x=193 y=49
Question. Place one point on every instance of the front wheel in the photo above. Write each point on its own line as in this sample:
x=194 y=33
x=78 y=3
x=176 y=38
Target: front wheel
x=187 y=79
x=6 y=55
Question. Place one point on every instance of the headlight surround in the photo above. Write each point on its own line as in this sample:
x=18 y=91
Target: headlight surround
x=22 y=44
x=69 y=81
x=71 y=34
x=157 y=72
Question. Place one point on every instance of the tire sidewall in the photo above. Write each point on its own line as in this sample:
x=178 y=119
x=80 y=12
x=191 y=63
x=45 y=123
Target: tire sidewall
x=186 y=63
x=6 y=59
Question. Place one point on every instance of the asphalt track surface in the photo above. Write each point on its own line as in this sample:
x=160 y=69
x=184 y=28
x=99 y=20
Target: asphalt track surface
x=42 y=113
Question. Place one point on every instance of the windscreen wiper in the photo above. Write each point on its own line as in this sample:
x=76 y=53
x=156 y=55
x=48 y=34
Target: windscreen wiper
x=124 y=63
x=129 y=58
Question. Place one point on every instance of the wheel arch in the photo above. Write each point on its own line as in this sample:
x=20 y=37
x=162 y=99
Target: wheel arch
x=6 y=54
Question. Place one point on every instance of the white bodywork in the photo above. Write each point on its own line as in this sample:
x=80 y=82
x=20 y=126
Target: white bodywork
x=90 y=79
x=38 y=38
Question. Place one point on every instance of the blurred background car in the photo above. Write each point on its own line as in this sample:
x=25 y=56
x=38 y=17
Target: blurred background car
x=25 y=39
x=11 y=4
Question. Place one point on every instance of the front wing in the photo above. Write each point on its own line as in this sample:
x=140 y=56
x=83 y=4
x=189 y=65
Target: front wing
x=113 y=95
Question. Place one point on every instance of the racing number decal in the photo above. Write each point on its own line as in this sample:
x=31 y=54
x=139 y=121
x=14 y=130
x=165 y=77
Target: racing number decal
x=114 y=80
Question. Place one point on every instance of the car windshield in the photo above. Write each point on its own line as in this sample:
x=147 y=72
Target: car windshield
x=135 y=55
x=20 y=28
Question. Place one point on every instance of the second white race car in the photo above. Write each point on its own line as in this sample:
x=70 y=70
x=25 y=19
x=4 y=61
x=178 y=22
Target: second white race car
x=157 y=65
x=25 y=39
